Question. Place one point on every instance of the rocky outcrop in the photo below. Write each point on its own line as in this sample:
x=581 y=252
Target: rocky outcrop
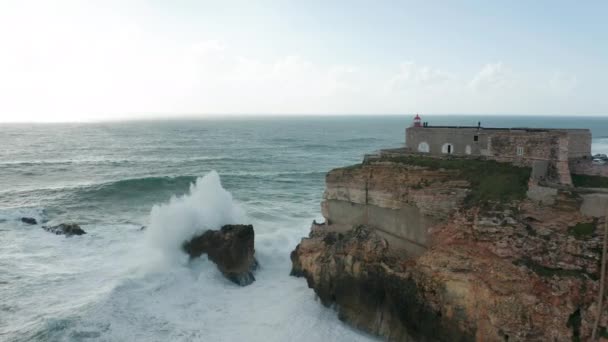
x=29 y=220
x=231 y=248
x=67 y=229
x=374 y=290
x=515 y=270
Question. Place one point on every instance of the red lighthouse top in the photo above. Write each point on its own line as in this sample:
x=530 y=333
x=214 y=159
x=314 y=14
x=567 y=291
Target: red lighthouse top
x=417 y=121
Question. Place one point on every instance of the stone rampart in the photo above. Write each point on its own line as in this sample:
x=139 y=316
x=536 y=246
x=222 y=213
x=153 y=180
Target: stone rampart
x=586 y=167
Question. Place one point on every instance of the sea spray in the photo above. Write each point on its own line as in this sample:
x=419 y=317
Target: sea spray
x=207 y=205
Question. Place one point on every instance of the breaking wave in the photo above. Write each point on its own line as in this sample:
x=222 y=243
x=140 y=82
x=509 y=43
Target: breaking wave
x=207 y=205
x=135 y=186
x=15 y=214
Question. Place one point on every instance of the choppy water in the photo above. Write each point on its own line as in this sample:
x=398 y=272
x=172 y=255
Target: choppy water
x=112 y=285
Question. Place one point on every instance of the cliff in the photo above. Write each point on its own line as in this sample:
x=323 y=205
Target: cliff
x=427 y=249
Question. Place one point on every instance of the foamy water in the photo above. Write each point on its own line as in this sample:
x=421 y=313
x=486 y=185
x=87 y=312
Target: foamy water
x=111 y=285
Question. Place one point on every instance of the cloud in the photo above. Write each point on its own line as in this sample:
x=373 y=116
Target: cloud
x=412 y=75
x=492 y=76
x=73 y=60
x=222 y=80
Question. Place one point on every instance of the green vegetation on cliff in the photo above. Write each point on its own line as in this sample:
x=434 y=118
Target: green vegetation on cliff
x=545 y=271
x=582 y=229
x=490 y=180
x=604 y=332
x=586 y=181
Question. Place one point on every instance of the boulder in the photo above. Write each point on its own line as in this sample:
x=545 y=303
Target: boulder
x=231 y=248
x=67 y=229
x=29 y=220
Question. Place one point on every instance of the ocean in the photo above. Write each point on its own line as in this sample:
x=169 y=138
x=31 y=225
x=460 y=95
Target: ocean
x=178 y=177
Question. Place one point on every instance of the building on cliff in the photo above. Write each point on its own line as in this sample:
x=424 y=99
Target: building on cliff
x=467 y=234
x=550 y=152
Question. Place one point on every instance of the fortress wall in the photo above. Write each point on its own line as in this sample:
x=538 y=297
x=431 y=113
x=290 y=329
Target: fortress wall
x=402 y=202
x=404 y=227
x=556 y=146
x=536 y=146
x=594 y=204
x=437 y=137
x=502 y=143
x=579 y=145
x=586 y=167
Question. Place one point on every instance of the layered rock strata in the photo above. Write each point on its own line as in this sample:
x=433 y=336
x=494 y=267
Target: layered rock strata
x=516 y=270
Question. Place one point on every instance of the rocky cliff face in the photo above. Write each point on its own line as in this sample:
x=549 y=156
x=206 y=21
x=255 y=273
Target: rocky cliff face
x=483 y=267
x=401 y=201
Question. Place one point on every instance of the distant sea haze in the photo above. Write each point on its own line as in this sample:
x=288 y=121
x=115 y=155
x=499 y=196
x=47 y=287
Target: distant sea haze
x=115 y=283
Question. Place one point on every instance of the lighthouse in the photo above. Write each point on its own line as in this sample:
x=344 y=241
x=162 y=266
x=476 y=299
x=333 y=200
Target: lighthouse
x=417 y=121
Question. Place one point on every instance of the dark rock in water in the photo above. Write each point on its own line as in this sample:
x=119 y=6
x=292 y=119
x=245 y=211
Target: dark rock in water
x=67 y=229
x=29 y=220
x=142 y=228
x=231 y=248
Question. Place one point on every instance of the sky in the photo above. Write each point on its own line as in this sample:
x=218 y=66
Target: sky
x=66 y=60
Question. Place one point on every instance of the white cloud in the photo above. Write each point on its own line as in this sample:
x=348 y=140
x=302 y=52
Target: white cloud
x=492 y=76
x=412 y=75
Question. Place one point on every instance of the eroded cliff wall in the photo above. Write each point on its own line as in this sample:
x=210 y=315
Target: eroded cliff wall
x=494 y=266
x=403 y=202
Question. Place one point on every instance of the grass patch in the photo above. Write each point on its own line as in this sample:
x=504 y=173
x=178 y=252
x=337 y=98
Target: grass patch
x=544 y=271
x=490 y=180
x=574 y=322
x=604 y=332
x=582 y=230
x=585 y=181
x=352 y=167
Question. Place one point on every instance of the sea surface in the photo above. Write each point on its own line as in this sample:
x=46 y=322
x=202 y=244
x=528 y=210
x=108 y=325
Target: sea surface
x=179 y=177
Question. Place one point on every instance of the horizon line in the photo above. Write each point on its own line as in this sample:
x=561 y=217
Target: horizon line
x=203 y=116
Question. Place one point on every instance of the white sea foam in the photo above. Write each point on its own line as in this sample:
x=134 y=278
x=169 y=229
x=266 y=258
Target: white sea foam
x=15 y=214
x=206 y=206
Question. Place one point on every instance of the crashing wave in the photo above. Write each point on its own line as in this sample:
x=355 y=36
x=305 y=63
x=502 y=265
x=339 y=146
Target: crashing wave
x=206 y=206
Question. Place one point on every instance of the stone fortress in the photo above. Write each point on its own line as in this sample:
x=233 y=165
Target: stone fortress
x=550 y=152
x=405 y=202
x=466 y=234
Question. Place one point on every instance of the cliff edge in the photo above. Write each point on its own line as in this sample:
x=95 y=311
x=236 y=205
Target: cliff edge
x=432 y=249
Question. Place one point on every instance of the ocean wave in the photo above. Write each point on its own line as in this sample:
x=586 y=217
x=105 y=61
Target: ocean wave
x=62 y=162
x=15 y=214
x=184 y=181
x=128 y=186
x=359 y=140
x=267 y=174
x=207 y=205
x=100 y=161
x=113 y=193
x=599 y=145
x=315 y=146
x=136 y=186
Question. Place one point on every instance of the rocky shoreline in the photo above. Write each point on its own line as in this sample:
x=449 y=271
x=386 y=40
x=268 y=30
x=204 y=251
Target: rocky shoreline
x=477 y=267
